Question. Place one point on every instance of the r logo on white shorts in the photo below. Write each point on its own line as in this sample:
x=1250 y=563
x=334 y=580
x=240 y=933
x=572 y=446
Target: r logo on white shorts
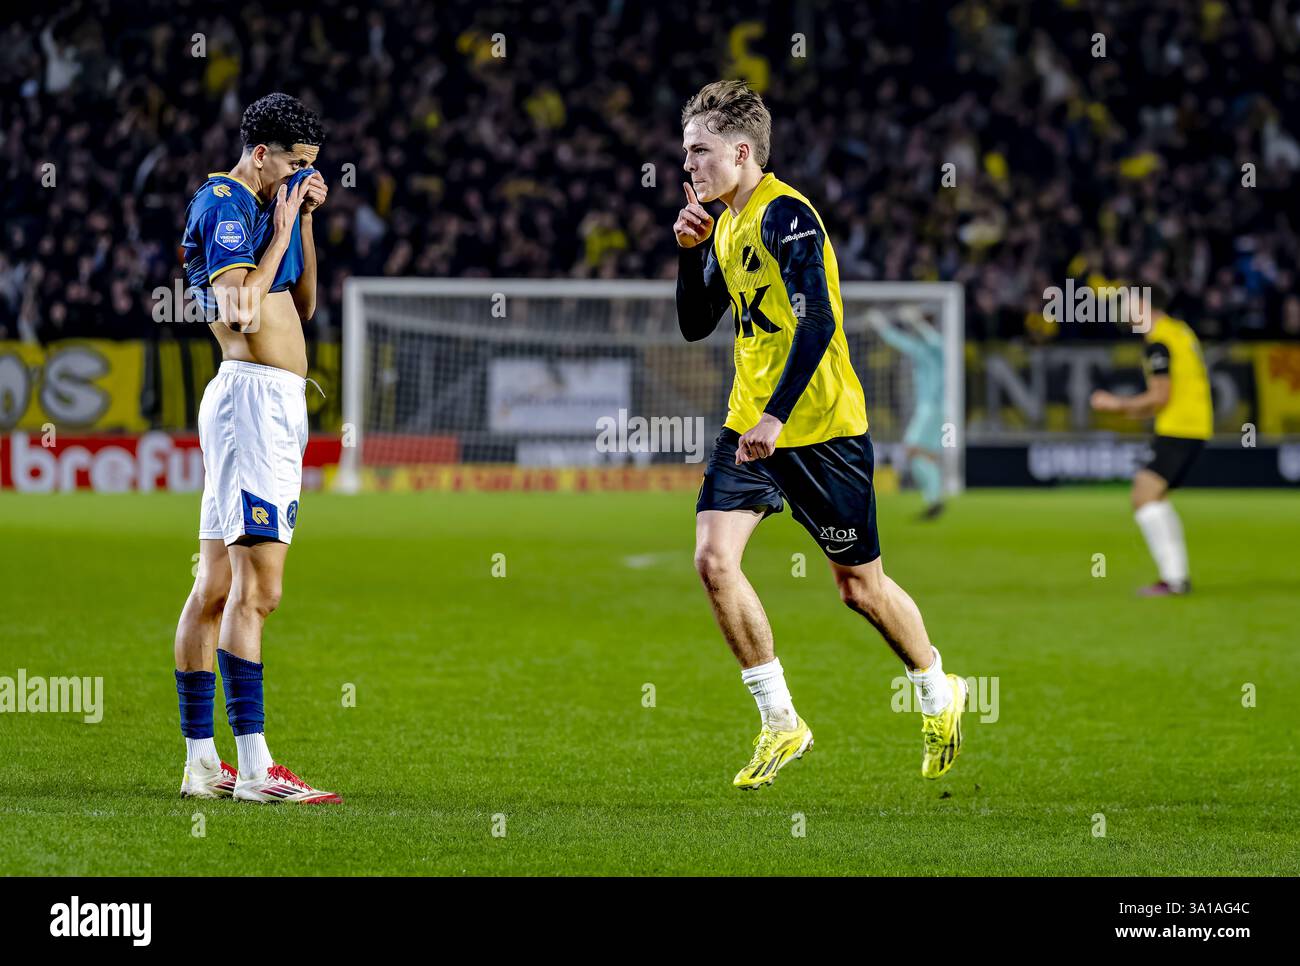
x=260 y=517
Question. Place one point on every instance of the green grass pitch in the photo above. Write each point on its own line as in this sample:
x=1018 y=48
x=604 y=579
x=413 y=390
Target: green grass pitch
x=479 y=696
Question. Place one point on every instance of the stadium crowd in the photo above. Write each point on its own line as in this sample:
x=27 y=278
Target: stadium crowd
x=1152 y=143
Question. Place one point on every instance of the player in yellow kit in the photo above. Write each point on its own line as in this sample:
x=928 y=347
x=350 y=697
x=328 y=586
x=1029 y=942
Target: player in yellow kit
x=796 y=429
x=1178 y=395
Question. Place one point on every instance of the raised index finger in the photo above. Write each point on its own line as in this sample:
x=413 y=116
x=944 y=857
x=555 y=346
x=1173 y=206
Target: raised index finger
x=691 y=198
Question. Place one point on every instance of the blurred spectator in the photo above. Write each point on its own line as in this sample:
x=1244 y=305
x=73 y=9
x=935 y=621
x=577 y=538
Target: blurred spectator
x=448 y=159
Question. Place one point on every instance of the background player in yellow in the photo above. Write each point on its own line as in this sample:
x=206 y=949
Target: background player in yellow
x=796 y=429
x=1178 y=395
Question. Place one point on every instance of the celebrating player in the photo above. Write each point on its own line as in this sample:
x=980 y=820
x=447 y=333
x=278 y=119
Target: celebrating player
x=250 y=255
x=796 y=429
x=1178 y=396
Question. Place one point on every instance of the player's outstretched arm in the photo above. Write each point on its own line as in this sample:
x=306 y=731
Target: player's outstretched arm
x=895 y=336
x=1142 y=406
x=1145 y=404
x=701 y=291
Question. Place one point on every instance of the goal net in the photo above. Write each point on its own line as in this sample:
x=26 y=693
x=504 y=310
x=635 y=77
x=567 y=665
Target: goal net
x=558 y=372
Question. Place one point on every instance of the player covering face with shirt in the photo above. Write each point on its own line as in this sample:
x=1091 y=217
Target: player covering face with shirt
x=796 y=429
x=251 y=259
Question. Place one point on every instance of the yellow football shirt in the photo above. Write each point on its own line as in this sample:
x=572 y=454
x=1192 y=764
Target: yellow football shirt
x=748 y=249
x=1174 y=351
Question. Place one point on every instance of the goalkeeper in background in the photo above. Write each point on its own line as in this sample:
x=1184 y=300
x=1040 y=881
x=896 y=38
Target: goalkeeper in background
x=924 y=347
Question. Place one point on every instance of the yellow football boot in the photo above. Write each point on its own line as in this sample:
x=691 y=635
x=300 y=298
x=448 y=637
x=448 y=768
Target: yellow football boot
x=772 y=751
x=941 y=732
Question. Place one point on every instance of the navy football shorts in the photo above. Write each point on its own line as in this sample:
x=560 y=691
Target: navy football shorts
x=828 y=486
x=1172 y=458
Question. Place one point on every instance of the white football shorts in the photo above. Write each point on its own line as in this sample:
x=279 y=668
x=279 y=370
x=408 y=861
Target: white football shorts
x=253 y=431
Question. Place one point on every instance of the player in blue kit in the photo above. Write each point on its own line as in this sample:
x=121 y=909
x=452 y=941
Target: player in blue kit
x=251 y=258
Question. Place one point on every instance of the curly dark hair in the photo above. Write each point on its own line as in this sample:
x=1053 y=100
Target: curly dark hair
x=280 y=120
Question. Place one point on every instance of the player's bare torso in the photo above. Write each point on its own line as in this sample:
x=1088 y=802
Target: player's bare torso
x=278 y=340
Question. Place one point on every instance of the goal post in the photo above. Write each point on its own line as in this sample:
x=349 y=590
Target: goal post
x=520 y=371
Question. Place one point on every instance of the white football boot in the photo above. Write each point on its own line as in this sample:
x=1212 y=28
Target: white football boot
x=208 y=779
x=279 y=784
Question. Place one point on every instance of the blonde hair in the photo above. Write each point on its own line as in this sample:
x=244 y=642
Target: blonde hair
x=729 y=109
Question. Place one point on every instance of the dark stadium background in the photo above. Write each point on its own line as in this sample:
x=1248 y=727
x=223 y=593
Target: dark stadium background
x=530 y=165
